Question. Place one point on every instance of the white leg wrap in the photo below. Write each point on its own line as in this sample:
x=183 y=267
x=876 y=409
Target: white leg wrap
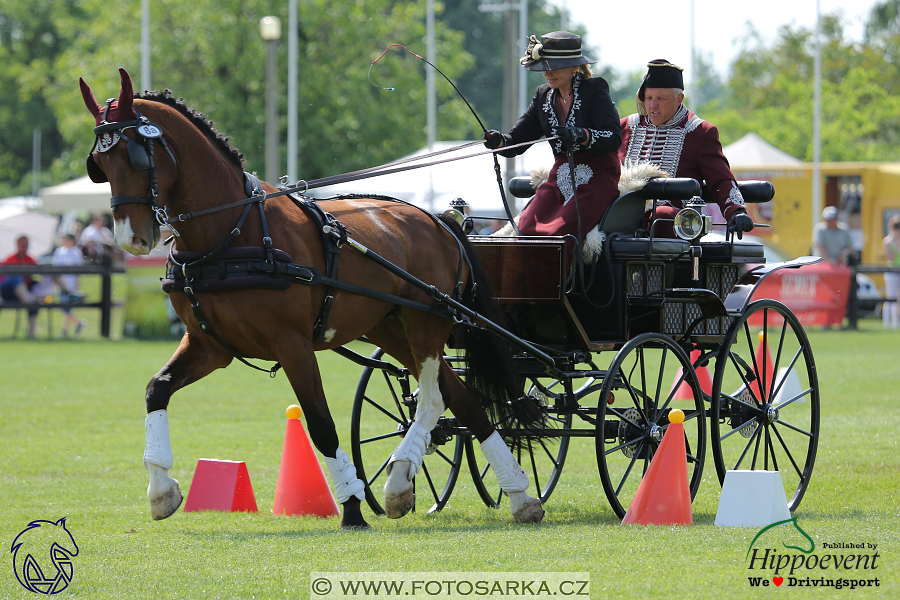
x=158 y=449
x=343 y=474
x=411 y=449
x=509 y=474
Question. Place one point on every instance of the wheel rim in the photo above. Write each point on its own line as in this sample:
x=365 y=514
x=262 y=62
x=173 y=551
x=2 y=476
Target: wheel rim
x=645 y=377
x=542 y=459
x=380 y=418
x=765 y=406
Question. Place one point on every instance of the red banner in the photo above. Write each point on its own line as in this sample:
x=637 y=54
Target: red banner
x=817 y=293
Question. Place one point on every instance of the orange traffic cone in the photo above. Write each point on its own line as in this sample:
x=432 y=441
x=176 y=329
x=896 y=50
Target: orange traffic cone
x=220 y=485
x=302 y=488
x=663 y=497
x=763 y=366
x=684 y=388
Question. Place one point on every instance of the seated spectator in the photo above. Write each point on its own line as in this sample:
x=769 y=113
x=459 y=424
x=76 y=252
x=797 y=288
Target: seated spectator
x=17 y=288
x=97 y=239
x=69 y=255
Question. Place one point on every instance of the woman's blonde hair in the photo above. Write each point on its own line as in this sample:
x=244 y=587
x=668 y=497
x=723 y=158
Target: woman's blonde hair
x=584 y=70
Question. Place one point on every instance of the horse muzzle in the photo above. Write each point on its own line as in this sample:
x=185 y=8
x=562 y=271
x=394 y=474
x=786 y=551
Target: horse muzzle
x=138 y=244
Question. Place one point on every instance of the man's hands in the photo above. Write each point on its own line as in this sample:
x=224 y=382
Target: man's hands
x=739 y=223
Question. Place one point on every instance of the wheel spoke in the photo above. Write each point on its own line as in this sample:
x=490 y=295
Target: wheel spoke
x=756 y=446
x=383 y=436
x=799 y=396
x=379 y=471
x=787 y=452
x=386 y=411
x=397 y=402
x=434 y=493
x=446 y=458
x=625 y=475
x=747 y=447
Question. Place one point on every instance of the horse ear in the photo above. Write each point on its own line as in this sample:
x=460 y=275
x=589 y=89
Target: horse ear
x=126 y=97
x=89 y=99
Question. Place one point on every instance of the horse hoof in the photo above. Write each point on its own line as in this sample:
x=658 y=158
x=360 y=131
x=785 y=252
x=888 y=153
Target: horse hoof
x=167 y=503
x=397 y=506
x=529 y=510
x=352 y=518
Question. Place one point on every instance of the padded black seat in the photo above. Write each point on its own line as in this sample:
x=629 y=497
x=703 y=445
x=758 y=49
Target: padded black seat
x=647 y=248
x=736 y=251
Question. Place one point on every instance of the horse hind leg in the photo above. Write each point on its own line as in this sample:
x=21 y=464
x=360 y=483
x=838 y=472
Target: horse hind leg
x=512 y=478
x=406 y=460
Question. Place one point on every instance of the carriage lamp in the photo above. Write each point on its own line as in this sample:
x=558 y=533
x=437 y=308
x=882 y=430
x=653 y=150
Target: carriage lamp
x=457 y=212
x=691 y=224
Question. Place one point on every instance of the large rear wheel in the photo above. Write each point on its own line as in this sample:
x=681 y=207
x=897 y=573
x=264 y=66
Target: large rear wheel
x=765 y=398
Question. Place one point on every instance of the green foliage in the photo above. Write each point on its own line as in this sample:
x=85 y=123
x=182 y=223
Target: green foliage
x=771 y=92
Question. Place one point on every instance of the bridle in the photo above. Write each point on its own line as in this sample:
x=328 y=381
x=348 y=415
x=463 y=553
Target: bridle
x=140 y=153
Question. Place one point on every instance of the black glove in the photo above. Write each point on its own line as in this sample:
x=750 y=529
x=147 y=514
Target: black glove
x=739 y=223
x=493 y=139
x=571 y=137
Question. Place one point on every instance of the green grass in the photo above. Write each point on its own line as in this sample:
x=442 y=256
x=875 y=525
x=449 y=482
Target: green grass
x=72 y=436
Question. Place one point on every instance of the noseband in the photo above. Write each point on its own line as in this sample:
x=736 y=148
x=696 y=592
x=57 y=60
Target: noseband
x=140 y=153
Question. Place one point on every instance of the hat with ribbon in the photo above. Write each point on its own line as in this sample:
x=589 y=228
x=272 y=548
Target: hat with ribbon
x=556 y=50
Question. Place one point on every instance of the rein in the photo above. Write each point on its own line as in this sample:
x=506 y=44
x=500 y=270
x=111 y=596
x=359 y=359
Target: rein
x=304 y=186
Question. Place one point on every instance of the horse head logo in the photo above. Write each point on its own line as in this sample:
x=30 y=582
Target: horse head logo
x=42 y=556
x=799 y=530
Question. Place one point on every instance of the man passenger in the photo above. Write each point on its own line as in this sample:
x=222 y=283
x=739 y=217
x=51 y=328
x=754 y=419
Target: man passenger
x=664 y=132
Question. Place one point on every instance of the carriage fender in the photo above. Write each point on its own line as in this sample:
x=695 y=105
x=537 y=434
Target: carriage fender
x=742 y=291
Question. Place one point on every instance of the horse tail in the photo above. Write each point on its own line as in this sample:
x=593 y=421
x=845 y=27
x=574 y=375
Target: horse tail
x=490 y=371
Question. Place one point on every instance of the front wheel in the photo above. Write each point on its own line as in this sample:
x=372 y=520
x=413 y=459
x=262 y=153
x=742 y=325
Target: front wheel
x=642 y=384
x=765 y=398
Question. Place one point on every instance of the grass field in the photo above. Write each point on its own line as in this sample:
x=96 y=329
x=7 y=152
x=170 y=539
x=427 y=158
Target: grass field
x=72 y=436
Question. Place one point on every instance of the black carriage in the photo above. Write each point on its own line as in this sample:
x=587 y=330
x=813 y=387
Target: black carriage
x=614 y=346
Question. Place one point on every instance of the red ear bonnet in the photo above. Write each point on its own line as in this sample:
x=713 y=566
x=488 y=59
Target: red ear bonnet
x=120 y=110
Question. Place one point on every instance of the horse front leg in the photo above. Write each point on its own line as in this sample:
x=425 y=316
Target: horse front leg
x=195 y=358
x=406 y=460
x=302 y=371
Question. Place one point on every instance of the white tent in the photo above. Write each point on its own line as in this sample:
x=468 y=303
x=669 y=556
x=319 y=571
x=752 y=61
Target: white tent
x=78 y=194
x=472 y=179
x=16 y=221
x=753 y=151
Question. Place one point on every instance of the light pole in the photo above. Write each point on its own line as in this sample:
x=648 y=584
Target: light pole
x=270 y=30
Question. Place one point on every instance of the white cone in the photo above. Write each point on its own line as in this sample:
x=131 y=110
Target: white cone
x=752 y=499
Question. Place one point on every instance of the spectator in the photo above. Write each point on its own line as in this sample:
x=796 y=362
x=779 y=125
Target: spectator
x=891 y=243
x=69 y=255
x=17 y=288
x=831 y=239
x=97 y=239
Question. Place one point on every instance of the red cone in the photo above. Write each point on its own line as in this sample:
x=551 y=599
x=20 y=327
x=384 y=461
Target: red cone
x=302 y=488
x=664 y=497
x=763 y=366
x=220 y=485
x=684 y=388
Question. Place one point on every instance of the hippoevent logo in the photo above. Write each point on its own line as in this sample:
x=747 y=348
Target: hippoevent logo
x=42 y=556
x=774 y=562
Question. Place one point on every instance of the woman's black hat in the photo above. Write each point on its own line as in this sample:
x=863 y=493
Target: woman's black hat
x=556 y=50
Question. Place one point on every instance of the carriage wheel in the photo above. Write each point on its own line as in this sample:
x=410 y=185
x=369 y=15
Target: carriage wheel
x=644 y=378
x=383 y=411
x=765 y=398
x=542 y=458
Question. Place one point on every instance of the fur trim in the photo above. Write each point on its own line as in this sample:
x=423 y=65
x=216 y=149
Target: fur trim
x=635 y=176
x=539 y=176
x=507 y=230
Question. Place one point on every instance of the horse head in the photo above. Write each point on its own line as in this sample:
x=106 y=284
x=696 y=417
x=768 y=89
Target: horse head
x=127 y=153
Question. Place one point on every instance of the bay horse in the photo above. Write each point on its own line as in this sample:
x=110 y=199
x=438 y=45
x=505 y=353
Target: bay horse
x=163 y=158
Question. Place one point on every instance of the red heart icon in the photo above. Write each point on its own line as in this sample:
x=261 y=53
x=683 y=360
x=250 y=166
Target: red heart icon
x=777 y=580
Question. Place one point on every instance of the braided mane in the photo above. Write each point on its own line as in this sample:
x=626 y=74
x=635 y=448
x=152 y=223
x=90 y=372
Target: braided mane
x=200 y=122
